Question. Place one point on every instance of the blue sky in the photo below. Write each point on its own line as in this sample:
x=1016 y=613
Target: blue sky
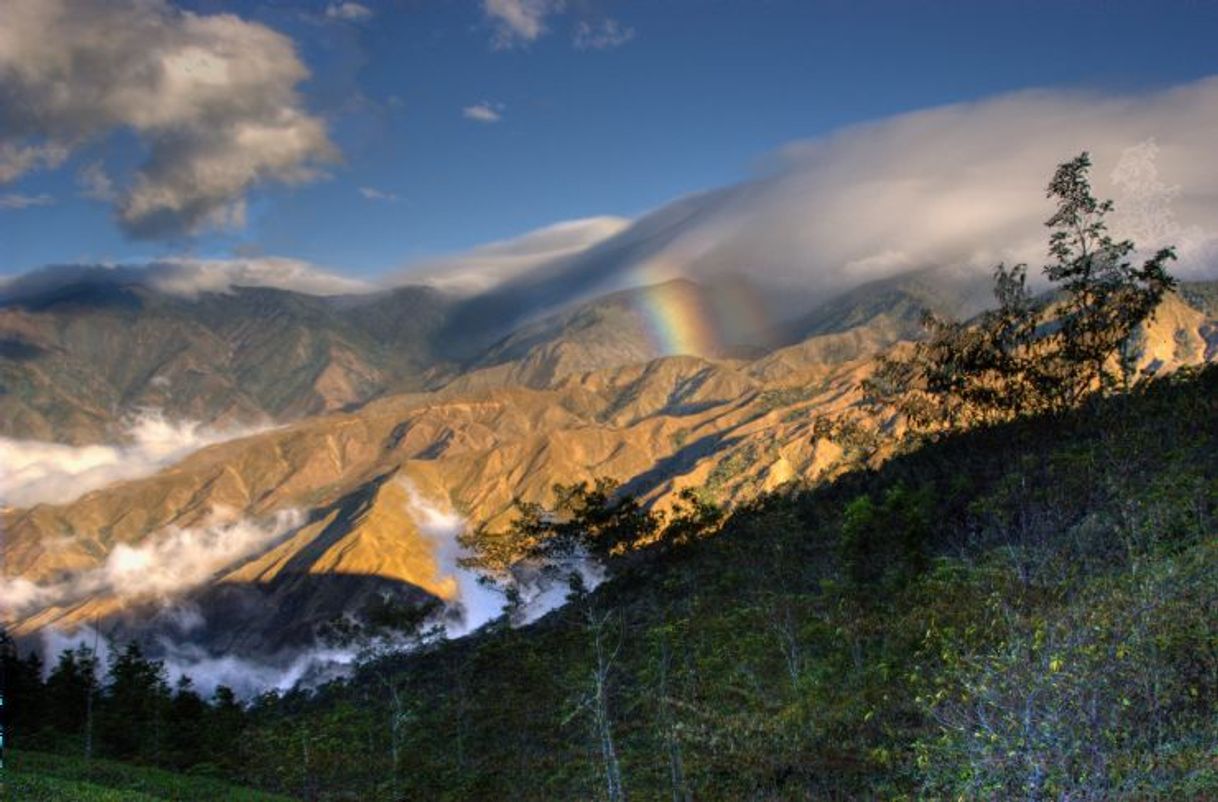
x=683 y=95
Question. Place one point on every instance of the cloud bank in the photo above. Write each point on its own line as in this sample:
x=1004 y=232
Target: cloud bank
x=212 y=97
x=160 y=567
x=185 y=277
x=35 y=472
x=957 y=187
x=246 y=677
x=495 y=263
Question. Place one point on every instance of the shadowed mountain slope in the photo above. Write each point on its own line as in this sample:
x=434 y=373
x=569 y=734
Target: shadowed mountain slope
x=77 y=359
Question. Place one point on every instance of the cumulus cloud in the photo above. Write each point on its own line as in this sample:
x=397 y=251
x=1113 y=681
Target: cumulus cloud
x=213 y=97
x=34 y=472
x=351 y=12
x=161 y=567
x=484 y=112
x=604 y=35
x=374 y=194
x=14 y=200
x=959 y=187
x=185 y=277
x=519 y=22
x=488 y=265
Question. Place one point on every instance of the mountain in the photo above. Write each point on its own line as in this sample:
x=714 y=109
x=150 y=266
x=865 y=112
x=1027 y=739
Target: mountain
x=997 y=608
x=290 y=528
x=76 y=360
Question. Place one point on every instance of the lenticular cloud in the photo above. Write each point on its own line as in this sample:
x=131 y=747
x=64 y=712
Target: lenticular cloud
x=958 y=187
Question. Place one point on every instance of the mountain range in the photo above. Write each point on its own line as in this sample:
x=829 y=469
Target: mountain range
x=350 y=438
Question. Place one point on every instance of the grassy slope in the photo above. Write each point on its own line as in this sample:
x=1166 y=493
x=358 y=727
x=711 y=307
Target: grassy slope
x=1028 y=611
x=40 y=777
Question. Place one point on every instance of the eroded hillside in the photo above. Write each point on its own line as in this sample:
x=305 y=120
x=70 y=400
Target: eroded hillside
x=306 y=520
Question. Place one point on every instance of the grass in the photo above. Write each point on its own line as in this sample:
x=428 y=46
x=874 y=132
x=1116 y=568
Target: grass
x=41 y=777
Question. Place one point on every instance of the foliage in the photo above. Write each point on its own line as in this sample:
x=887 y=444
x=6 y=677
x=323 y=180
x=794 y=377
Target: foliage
x=1022 y=611
x=1026 y=610
x=587 y=520
x=131 y=715
x=1029 y=355
x=41 y=777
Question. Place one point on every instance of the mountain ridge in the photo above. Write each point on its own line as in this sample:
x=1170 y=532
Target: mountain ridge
x=729 y=428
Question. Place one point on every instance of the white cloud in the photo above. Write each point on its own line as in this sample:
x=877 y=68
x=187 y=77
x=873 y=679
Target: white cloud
x=95 y=183
x=160 y=567
x=519 y=22
x=351 y=12
x=484 y=112
x=374 y=194
x=18 y=201
x=487 y=265
x=187 y=277
x=476 y=603
x=245 y=676
x=35 y=472
x=213 y=97
x=959 y=186
x=17 y=160
x=604 y=35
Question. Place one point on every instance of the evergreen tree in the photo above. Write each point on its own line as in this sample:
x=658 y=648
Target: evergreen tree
x=70 y=690
x=24 y=695
x=226 y=721
x=186 y=726
x=136 y=701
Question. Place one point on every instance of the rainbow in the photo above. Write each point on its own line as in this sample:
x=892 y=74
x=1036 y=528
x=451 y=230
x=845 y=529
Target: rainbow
x=678 y=321
x=682 y=317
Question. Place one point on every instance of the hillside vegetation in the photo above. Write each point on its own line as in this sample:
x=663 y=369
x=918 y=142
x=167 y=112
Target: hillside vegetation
x=1003 y=588
x=1027 y=611
x=38 y=777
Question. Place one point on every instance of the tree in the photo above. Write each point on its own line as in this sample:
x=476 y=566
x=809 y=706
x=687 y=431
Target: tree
x=595 y=699
x=586 y=520
x=1030 y=356
x=22 y=694
x=1106 y=296
x=187 y=715
x=226 y=721
x=886 y=540
x=136 y=700
x=70 y=690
